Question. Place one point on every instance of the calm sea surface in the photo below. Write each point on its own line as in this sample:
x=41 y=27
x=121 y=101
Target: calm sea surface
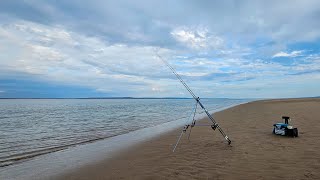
x=32 y=127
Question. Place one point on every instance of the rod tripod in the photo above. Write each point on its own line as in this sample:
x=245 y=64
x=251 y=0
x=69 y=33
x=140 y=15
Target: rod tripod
x=191 y=125
x=214 y=125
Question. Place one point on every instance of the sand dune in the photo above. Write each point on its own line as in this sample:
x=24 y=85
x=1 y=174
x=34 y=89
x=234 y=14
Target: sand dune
x=255 y=153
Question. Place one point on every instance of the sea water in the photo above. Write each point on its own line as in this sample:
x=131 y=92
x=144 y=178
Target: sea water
x=34 y=127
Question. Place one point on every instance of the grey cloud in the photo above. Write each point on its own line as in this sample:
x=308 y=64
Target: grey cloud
x=31 y=10
x=150 y=22
x=304 y=72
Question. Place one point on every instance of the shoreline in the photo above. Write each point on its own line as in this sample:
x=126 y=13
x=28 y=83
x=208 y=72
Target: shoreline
x=255 y=153
x=88 y=153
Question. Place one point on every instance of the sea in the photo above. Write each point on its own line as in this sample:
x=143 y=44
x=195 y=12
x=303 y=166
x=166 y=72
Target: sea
x=34 y=127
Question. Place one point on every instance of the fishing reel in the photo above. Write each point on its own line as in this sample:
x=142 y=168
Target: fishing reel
x=185 y=128
x=214 y=126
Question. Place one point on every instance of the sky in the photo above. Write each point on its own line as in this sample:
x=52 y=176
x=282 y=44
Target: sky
x=97 y=48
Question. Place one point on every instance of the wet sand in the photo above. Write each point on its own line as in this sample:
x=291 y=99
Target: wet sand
x=255 y=153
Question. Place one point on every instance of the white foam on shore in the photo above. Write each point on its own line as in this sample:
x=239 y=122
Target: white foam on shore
x=49 y=165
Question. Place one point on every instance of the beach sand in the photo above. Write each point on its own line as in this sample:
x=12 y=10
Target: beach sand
x=255 y=153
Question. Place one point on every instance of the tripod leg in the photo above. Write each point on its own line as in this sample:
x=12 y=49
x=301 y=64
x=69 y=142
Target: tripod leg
x=193 y=121
x=186 y=127
x=189 y=133
x=192 y=125
x=175 y=146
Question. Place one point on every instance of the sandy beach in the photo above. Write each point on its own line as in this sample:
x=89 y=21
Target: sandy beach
x=255 y=153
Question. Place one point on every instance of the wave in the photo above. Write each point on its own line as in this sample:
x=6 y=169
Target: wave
x=20 y=157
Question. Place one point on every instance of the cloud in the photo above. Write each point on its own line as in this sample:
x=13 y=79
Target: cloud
x=59 y=55
x=110 y=46
x=284 y=54
x=198 y=38
x=157 y=89
x=140 y=22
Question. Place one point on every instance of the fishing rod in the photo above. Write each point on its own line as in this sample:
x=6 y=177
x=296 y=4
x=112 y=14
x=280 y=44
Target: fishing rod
x=215 y=125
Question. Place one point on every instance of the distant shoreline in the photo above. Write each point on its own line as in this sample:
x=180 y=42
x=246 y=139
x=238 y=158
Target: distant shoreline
x=168 y=98
x=124 y=98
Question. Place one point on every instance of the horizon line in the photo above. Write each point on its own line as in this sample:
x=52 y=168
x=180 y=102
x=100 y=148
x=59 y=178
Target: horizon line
x=118 y=98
